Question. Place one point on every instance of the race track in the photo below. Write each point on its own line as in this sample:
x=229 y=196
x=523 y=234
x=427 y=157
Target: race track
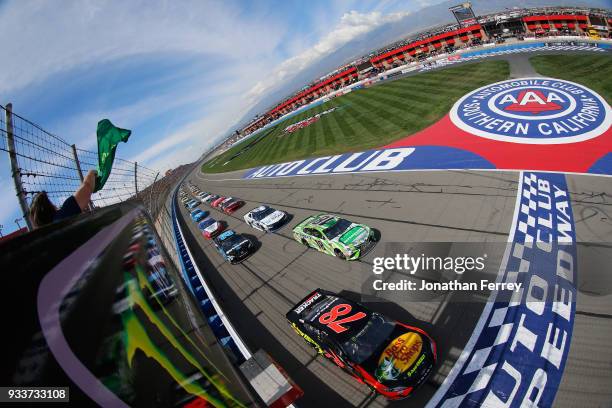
x=458 y=206
x=405 y=207
x=414 y=205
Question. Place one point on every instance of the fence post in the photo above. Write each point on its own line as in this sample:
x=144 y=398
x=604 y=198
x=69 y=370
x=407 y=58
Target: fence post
x=78 y=166
x=136 y=178
x=16 y=172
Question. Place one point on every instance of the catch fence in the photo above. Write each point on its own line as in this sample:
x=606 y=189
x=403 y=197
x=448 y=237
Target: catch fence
x=41 y=161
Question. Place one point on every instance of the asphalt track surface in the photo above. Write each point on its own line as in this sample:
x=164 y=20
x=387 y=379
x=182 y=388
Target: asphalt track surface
x=418 y=206
x=422 y=206
x=460 y=206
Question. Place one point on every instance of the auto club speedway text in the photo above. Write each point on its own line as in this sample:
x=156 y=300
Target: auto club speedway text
x=530 y=333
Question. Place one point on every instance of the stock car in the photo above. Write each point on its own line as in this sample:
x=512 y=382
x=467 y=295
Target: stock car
x=335 y=236
x=390 y=357
x=229 y=206
x=203 y=196
x=218 y=201
x=224 y=202
x=211 y=228
x=198 y=215
x=210 y=198
x=162 y=288
x=233 y=247
x=192 y=204
x=265 y=218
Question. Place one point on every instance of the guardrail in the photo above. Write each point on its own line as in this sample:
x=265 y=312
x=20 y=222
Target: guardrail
x=218 y=321
x=269 y=381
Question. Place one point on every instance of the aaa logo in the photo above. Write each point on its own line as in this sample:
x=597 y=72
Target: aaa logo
x=533 y=111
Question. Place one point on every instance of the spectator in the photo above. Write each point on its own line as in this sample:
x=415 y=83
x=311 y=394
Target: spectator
x=43 y=212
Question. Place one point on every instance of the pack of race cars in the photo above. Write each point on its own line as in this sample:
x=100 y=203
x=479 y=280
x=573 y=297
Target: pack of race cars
x=326 y=233
x=390 y=357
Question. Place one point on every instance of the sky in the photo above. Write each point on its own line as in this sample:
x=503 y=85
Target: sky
x=180 y=75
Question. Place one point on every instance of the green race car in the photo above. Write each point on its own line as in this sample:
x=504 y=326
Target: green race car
x=335 y=236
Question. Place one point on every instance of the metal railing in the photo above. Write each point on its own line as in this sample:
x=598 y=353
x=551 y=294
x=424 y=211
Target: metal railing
x=42 y=161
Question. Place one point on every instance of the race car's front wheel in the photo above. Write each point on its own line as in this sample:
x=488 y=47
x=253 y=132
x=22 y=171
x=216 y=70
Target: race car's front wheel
x=305 y=243
x=339 y=254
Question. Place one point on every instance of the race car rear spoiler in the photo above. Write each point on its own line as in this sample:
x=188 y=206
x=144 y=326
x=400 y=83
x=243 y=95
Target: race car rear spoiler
x=313 y=297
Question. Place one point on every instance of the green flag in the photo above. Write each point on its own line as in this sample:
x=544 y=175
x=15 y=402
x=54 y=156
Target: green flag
x=109 y=137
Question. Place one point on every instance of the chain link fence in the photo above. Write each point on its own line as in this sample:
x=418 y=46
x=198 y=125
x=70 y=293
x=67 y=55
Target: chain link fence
x=42 y=161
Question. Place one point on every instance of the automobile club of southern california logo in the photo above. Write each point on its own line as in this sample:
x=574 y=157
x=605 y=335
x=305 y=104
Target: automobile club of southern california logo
x=533 y=111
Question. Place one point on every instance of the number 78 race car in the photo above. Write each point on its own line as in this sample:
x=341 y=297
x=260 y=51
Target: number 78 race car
x=335 y=236
x=390 y=357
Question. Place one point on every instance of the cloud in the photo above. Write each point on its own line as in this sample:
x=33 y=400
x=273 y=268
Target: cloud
x=352 y=25
x=175 y=73
x=200 y=133
x=230 y=49
x=49 y=39
x=9 y=210
x=219 y=120
x=188 y=132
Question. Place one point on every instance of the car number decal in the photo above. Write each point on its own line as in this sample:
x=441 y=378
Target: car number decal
x=330 y=318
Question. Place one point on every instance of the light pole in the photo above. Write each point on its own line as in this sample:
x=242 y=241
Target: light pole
x=17 y=222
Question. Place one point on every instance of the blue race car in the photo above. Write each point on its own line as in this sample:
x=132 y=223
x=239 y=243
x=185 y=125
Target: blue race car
x=192 y=204
x=205 y=224
x=233 y=247
x=199 y=215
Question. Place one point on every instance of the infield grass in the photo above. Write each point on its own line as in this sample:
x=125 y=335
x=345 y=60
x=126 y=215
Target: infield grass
x=593 y=71
x=365 y=118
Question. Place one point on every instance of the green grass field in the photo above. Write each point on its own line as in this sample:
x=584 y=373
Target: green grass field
x=593 y=71
x=367 y=118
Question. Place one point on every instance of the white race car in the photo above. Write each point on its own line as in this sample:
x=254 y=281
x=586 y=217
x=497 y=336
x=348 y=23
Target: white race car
x=265 y=218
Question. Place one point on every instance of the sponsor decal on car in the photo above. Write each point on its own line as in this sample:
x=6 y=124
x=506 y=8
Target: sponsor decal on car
x=533 y=111
x=399 y=356
x=356 y=233
x=307 y=303
x=307 y=338
x=517 y=353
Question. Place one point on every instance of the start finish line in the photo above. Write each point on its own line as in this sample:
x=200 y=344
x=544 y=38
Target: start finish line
x=517 y=353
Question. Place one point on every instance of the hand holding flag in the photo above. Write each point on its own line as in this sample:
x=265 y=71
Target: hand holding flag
x=109 y=137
